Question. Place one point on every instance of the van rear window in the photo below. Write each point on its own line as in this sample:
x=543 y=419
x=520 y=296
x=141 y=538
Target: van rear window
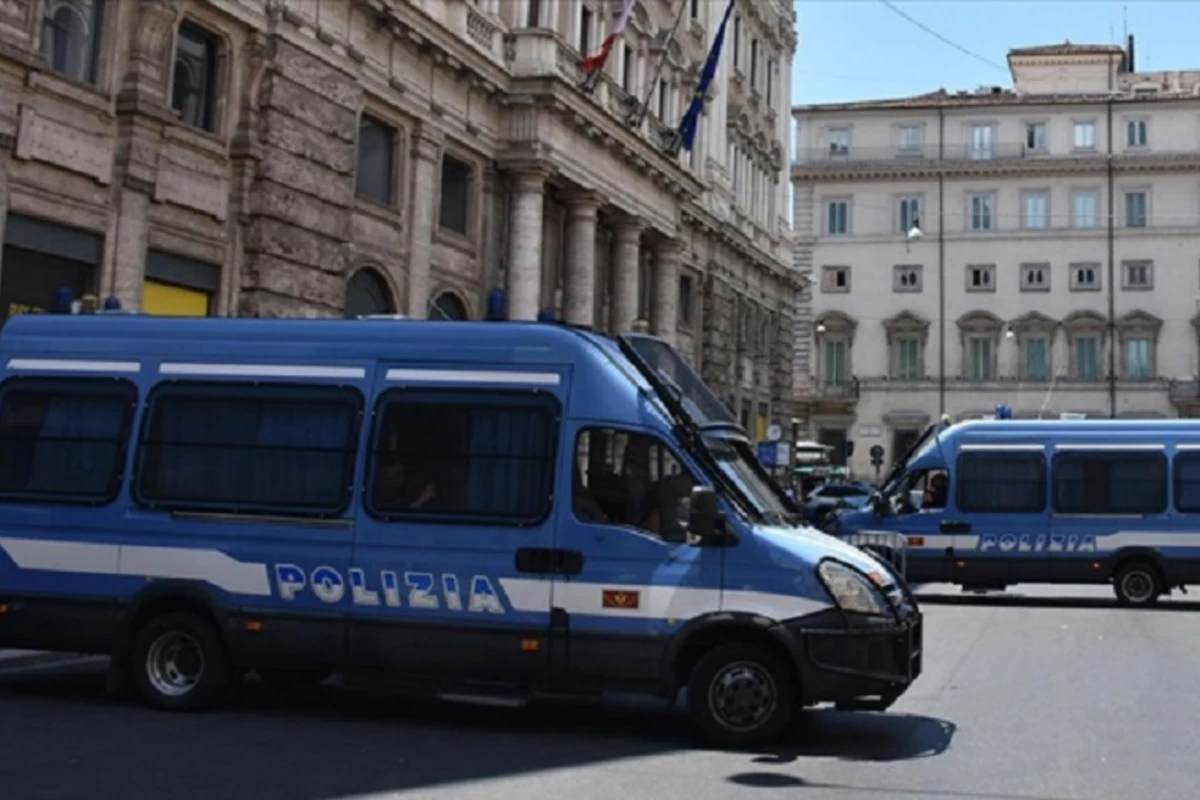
x=63 y=440
x=236 y=448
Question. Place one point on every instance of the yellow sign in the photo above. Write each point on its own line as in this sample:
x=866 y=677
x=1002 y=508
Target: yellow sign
x=173 y=301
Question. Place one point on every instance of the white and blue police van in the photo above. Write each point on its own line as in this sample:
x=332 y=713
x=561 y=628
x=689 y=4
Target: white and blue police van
x=987 y=504
x=484 y=511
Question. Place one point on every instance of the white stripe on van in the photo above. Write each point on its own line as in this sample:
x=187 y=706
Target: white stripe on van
x=180 y=563
x=261 y=370
x=73 y=365
x=1036 y=448
x=652 y=602
x=474 y=376
x=1188 y=447
x=1148 y=446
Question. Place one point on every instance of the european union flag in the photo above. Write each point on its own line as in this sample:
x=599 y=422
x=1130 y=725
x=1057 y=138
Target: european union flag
x=691 y=118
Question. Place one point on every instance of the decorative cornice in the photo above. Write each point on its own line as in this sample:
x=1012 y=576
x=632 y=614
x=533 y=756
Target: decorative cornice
x=929 y=169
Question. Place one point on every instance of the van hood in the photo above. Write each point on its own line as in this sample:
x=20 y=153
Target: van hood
x=811 y=545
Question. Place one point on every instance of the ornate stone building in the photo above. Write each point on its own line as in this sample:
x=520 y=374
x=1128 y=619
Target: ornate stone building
x=328 y=157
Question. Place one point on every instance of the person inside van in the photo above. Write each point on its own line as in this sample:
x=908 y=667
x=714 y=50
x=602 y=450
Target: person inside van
x=935 y=492
x=399 y=487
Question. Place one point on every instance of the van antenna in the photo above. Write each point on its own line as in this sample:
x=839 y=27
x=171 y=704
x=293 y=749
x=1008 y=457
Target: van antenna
x=1049 y=392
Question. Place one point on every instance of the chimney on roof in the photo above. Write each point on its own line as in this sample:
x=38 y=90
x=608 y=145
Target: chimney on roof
x=1129 y=55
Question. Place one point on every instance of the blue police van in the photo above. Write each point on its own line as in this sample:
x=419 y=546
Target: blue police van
x=485 y=511
x=992 y=503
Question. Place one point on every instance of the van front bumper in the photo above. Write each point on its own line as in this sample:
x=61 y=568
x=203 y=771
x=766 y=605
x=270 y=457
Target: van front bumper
x=855 y=662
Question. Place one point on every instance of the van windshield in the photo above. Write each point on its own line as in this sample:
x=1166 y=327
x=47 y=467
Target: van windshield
x=736 y=463
x=700 y=403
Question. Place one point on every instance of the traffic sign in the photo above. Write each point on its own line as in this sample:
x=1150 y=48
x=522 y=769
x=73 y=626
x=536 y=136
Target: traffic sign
x=774 y=432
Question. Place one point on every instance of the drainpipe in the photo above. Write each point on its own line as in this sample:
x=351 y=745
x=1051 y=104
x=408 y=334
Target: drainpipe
x=941 y=264
x=1112 y=269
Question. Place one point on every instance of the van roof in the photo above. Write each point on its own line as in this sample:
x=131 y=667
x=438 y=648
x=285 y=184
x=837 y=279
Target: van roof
x=1045 y=427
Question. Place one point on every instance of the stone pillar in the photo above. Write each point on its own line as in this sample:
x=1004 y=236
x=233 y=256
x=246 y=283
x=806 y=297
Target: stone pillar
x=579 y=278
x=5 y=148
x=150 y=55
x=426 y=153
x=528 y=186
x=664 y=302
x=128 y=253
x=627 y=237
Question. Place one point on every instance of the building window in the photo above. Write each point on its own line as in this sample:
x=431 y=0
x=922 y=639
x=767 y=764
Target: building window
x=632 y=480
x=179 y=287
x=454 y=212
x=835 y=280
x=839 y=142
x=838 y=222
x=906 y=278
x=983 y=207
x=1036 y=208
x=585 y=30
x=63 y=440
x=1087 y=358
x=737 y=42
x=1085 y=277
x=1136 y=209
x=685 y=300
x=754 y=63
x=910 y=213
x=981 y=277
x=71 y=33
x=244 y=448
x=1035 y=137
x=533 y=13
x=1035 y=359
x=1117 y=482
x=771 y=67
x=1001 y=483
x=979 y=358
x=1083 y=209
x=662 y=100
x=1136 y=133
x=1138 y=359
x=1035 y=277
x=910 y=139
x=448 y=307
x=908 y=358
x=375 y=171
x=837 y=367
x=627 y=64
x=1084 y=135
x=1137 y=275
x=694 y=9
x=194 y=88
x=464 y=455
x=982 y=146
x=367 y=293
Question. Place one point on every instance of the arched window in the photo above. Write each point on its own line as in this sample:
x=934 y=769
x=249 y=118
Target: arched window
x=448 y=306
x=71 y=37
x=368 y=293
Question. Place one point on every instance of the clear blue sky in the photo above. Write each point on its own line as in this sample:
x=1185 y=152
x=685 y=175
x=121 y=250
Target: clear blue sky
x=861 y=49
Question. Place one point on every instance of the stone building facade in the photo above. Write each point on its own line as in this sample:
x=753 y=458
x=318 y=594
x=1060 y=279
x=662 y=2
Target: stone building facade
x=337 y=157
x=1056 y=268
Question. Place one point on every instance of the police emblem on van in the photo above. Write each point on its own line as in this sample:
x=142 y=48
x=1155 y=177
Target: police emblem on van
x=617 y=598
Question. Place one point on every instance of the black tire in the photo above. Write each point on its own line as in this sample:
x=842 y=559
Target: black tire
x=761 y=697
x=1138 y=584
x=286 y=680
x=179 y=663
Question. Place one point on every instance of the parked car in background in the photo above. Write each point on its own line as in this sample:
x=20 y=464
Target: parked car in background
x=825 y=500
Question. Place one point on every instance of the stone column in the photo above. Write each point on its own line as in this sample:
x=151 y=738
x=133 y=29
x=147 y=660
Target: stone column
x=426 y=153
x=528 y=185
x=664 y=303
x=627 y=234
x=579 y=274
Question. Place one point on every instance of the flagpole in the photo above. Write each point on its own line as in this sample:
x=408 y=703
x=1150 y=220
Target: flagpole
x=639 y=111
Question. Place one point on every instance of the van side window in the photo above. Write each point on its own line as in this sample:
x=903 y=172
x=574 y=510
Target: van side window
x=1187 y=481
x=239 y=448
x=63 y=440
x=472 y=454
x=1001 y=482
x=1114 y=482
x=629 y=479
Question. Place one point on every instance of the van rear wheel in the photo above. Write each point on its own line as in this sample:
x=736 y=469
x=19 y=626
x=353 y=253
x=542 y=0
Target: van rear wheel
x=742 y=695
x=180 y=664
x=1137 y=583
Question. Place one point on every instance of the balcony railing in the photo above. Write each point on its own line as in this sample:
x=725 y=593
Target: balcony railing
x=834 y=156
x=837 y=390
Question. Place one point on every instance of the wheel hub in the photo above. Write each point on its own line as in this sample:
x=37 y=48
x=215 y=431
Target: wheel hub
x=174 y=664
x=1137 y=586
x=743 y=696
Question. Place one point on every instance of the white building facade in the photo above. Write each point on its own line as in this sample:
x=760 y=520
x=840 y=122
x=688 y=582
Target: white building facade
x=330 y=157
x=1057 y=264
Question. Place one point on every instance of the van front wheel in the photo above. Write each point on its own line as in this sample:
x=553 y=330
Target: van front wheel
x=180 y=663
x=1137 y=583
x=742 y=695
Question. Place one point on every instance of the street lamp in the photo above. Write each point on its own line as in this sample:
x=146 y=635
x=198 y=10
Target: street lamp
x=914 y=234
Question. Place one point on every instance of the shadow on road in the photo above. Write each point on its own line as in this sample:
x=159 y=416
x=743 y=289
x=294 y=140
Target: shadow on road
x=1028 y=601
x=327 y=743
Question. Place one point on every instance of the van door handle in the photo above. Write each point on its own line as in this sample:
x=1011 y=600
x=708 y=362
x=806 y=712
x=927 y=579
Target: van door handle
x=568 y=562
x=955 y=526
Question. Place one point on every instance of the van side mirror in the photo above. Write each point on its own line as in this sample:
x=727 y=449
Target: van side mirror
x=705 y=525
x=880 y=505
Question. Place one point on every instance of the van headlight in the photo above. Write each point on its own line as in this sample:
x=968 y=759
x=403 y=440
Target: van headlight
x=851 y=590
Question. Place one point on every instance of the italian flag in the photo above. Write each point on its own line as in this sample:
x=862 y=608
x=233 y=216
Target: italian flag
x=595 y=63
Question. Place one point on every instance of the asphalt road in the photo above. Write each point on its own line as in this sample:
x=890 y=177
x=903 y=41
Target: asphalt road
x=1022 y=698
